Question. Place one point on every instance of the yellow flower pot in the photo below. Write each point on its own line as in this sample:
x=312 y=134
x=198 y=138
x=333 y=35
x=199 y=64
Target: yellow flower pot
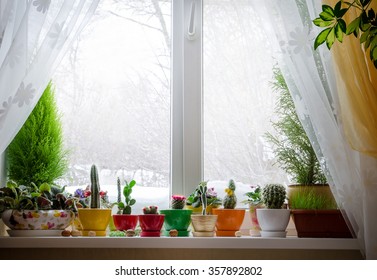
x=94 y=221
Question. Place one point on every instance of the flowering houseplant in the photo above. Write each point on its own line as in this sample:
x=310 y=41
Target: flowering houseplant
x=254 y=201
x=33 y=207
x=212 y=200
x=83 y=195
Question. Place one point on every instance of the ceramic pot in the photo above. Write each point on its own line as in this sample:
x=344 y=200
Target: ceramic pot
x=94 y=220
x=37 y=219
x=151 y=224
x=255 y=227
x=178 y=219
x=228 y=221
x=125 y=222
x=273 y=220
x=320 y=223
x=204 y=225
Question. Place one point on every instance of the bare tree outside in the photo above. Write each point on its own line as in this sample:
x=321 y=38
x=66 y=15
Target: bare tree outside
x=113 y=89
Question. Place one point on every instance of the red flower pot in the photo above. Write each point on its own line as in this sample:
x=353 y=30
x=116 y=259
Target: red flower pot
x=151 y=224
x=125 y=222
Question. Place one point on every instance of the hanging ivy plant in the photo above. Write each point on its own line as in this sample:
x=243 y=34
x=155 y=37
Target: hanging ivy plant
x=363 y=27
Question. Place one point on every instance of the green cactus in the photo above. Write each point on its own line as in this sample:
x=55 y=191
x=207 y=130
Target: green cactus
x=125 y=208
x=230 y=200
x=178 y=202
x=201 y=191
x=95 y=200
x=150 y=210
x=119 y=199
x=273 y=196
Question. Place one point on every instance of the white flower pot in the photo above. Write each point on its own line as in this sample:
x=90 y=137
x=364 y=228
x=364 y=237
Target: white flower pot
x=273 y=219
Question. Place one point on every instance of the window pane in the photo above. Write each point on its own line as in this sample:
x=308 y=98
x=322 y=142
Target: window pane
x=238 y=101
x=113 y=89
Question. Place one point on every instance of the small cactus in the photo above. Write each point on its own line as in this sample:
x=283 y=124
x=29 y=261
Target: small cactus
x=119 y=191
x=201 y=192
x=150 y=210
x=230 y=200
x=95 y=199
x=178 y=201
x=273 y=196
x=125 y=208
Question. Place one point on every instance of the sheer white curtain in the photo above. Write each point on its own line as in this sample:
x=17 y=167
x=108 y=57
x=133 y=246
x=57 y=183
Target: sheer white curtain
x=34 y=35
x=309 y=75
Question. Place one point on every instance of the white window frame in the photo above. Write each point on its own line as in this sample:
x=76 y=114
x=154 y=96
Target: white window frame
x=186 y=105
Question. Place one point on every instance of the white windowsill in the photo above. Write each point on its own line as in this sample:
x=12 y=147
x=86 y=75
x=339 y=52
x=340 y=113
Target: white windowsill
x=245 y=242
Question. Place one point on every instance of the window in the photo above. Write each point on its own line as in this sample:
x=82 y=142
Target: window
x=168 y=93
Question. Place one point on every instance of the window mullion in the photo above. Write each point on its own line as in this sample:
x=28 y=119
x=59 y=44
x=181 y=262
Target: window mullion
x=187 y=155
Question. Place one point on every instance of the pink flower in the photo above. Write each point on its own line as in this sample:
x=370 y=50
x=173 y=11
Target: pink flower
x=178 y=197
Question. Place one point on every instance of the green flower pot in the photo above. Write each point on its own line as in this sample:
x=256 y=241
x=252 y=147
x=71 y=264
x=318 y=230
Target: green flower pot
x=178 y=219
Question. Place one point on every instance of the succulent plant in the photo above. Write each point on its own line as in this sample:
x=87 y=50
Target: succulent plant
x=230 y=200
x=201 y=192
x=178 y=201
x=150 y=210
x=44 y=197
x=95 y=199
x=273 y=196
x=126 y=208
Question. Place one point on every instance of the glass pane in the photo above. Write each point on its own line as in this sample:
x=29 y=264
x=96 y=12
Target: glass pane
x=113 y=89
x=238 y=100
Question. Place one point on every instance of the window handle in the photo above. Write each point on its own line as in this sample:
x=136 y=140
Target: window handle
x=191 y=26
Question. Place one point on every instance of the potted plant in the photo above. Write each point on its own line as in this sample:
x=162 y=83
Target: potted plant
x=254 y=201
x=273 y=219
x=124 y=220
x=94 y=220
x=204 y=224
x=194 y=202
x=317 y=216
x=177 y=218
x=151 y=222
x=36 y=211
x=229 y=219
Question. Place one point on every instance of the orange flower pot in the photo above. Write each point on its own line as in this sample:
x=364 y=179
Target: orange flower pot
x=229 y=221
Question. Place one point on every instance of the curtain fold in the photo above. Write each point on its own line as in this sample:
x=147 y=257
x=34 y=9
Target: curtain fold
x=314 y=84
x=34 y=36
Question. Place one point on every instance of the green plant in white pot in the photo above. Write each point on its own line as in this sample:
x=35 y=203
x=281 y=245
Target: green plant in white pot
x=273 y=219
x=204 y=224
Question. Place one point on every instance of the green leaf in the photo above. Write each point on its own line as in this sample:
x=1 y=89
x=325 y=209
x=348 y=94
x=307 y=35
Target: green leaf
x=132 y=183
x=337 y=8
x=371 y=14
x=364 y=3
x=132 y=202
x=364 y=37
x=321 y=23
x=126 y=192
x=342 y=24
x=321 y=38
x=326 y=16
x=338 y=33
x=342 y=12
x=330 y=38
x=44 y=187
x=368 y=42
x=120 y=205
x=35 y=194
x=353 y=26
x=328 y=9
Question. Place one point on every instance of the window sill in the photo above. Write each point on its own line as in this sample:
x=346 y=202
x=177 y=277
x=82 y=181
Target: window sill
x=245 y=242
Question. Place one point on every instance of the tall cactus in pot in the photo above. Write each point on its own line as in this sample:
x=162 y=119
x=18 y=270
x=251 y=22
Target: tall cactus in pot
x=201 y=191
x=95 y=199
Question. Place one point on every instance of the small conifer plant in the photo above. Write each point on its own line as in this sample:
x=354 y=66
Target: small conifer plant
x=36 y=155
